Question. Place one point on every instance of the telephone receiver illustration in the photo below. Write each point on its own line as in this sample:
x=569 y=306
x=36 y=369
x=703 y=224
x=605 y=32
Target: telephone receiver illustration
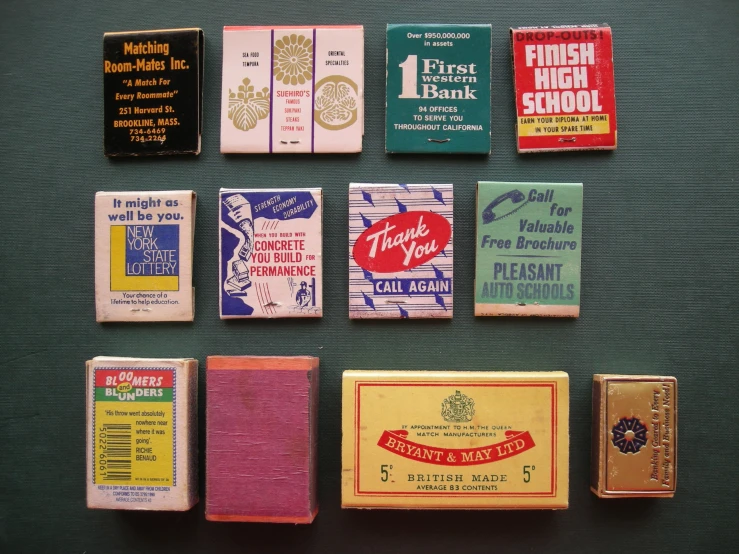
x=515 y=196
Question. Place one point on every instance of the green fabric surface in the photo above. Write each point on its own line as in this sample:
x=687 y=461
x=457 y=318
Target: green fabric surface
x=659 y=273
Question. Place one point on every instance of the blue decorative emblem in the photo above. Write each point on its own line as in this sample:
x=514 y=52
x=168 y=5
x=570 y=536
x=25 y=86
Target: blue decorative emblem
x=629 y=435
x=368 y=301
x=367 y=197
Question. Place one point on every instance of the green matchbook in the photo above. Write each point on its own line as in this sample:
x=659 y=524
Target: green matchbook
x=438 y=89
x=528 y=249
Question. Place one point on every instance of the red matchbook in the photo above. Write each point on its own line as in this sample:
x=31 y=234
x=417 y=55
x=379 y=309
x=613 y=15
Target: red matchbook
x=261 y=439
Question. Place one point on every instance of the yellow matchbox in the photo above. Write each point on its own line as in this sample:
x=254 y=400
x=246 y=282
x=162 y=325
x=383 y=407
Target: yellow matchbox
x=455 y=440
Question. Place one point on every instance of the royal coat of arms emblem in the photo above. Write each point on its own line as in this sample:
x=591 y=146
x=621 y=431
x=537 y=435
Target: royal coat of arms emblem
x=458 y=408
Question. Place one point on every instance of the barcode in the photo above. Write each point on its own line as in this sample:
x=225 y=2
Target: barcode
x=117 y=451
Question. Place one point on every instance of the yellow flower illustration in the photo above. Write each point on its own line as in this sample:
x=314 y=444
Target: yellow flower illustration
x=293 y=59
x=245 y=107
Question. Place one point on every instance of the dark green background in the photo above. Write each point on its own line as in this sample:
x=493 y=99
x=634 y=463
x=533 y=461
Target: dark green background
x=474 y=50
x=659 y=277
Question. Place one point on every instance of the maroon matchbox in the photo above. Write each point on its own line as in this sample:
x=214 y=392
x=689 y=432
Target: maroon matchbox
x=261 y=429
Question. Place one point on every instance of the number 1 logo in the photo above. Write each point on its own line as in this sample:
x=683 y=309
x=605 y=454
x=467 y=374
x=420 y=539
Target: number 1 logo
x=410 y=77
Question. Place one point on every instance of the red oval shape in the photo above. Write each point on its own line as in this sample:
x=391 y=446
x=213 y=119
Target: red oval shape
x=402 y=241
